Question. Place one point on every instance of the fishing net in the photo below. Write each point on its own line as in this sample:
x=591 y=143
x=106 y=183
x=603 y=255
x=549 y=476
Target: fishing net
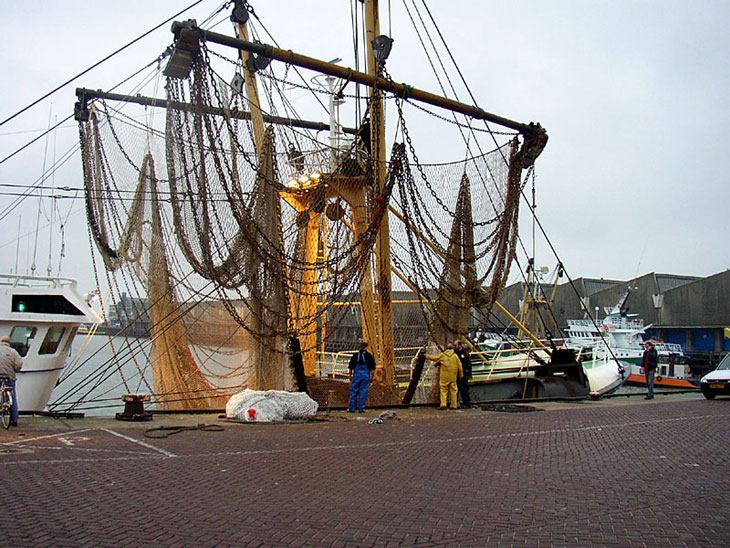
x=256 y=260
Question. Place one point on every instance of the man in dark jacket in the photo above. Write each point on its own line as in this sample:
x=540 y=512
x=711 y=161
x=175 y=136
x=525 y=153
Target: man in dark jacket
x=463 y=382
x=649 y=363
x=362 y=368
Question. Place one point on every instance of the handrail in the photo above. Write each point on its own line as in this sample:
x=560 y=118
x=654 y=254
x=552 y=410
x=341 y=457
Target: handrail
x=15 y=280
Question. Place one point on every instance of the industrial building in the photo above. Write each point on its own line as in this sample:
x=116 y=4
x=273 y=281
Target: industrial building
x=688 y=310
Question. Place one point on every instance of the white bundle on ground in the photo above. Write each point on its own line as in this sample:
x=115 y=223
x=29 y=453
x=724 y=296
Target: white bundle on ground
x=269 y=405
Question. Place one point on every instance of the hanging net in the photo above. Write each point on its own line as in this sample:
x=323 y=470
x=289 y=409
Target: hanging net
x=252 y=261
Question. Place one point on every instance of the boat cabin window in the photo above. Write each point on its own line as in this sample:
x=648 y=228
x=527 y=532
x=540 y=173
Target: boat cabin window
x=21 y=338
x=44 y=304
x=67 y=346
x=52 y=339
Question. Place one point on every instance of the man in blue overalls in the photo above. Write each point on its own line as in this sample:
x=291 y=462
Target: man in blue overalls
x=362 y=368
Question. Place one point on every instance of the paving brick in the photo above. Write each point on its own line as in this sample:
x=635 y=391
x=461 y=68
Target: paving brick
x=572 y=475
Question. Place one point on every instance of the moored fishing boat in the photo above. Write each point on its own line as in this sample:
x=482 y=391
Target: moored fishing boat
x=518 y=360
x=299 y=242
x=41 y=315
x=621 y=335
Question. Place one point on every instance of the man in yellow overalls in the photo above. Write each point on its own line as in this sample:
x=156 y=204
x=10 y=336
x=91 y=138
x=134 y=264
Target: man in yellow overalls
x=451 y=370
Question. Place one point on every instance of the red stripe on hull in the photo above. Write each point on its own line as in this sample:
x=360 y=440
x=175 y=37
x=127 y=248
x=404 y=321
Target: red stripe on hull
x=662 y=381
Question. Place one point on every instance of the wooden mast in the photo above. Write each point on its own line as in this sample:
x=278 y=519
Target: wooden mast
x=252 y=92
x=535 y=139
x=384 y=310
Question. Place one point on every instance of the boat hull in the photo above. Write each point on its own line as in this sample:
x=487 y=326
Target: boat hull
x=34 y=388
x=532 y=387
x=669 y=382
x=605 y=376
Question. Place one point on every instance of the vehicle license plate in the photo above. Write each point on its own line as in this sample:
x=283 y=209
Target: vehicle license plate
x=716 y=386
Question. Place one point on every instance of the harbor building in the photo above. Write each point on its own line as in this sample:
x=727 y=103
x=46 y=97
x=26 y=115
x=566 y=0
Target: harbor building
x=688 y=310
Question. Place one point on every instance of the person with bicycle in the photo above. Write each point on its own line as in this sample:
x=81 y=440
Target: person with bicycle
x=10 y=364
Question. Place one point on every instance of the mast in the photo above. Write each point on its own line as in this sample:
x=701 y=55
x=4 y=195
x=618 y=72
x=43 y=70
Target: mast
x=375 y=279
x=384 y=308
x=252 y=90
x=240 y=16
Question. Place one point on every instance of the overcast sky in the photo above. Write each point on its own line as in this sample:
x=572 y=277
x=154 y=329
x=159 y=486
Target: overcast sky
x=633 y=94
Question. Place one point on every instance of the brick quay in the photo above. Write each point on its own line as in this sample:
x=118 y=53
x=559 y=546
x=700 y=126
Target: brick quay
x=616 y=472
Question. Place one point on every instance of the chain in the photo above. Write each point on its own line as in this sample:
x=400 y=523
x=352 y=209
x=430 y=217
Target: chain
x=458 y=124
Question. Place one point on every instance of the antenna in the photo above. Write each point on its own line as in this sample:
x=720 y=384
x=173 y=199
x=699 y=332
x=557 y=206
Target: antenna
x=17 y=246
x=53 y=205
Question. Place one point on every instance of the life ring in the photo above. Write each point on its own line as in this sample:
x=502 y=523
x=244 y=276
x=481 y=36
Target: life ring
x=658 y=379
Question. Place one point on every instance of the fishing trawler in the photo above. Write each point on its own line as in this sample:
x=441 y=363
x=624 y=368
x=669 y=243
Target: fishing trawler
x=621 y=335
x=272 y=242
x=519 y=357
x=41 y=315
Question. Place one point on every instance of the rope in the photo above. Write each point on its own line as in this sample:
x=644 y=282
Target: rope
x=166 y=431
x=98 y=63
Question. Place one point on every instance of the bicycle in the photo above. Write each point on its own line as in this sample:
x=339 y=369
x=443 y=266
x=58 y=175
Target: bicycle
x=6 y=401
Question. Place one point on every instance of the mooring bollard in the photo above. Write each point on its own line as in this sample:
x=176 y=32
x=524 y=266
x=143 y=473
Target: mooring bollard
x=134 y=408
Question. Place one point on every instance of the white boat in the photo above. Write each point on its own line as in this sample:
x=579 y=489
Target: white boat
x=41 y=316
x=604 y=372
x=619 y=336
x=517 y=369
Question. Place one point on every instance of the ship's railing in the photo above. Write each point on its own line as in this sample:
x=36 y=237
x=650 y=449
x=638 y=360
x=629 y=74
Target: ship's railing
x=505 y=359
x=335 y=364
x=583 y=325
x=592 y=353
x=669 y=348
x=612 y=321
x=620 y=322
x=332 y=364
x=21 y=280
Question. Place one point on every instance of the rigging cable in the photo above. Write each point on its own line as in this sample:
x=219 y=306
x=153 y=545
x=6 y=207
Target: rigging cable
x=491 y=133
x=69 y=154
x=67 y=82
x=296 y=69
x=40 y=201
x=26 y=145
x=458 y=70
